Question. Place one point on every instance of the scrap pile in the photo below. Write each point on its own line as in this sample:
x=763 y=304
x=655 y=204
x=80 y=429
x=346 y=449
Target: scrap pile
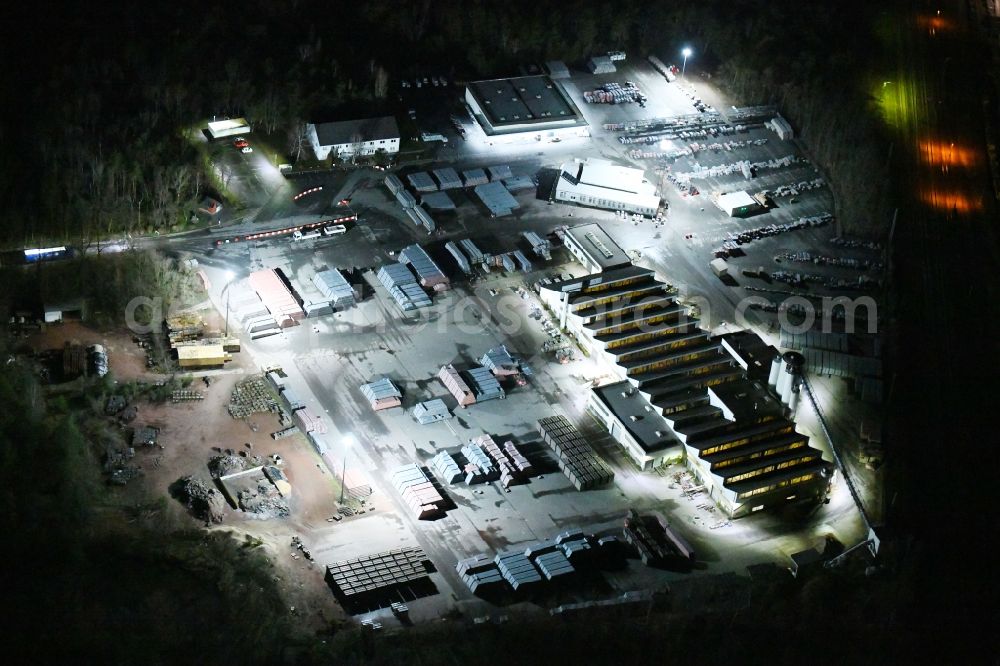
x=264 y=502
x=251 y=396
x=204 y=502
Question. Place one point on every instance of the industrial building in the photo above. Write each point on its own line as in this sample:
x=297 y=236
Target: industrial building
x=738 y=204
x=230 y=127
x=354 y=137
x=602 y=184
x=594 y=248
x=528 y=106
x=710 y=392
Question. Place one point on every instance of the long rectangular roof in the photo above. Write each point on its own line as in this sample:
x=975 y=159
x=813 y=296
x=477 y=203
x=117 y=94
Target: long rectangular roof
x=355 y=131
x=496 y=197
x=524 y=99
x=598 y=245
x=650 y=430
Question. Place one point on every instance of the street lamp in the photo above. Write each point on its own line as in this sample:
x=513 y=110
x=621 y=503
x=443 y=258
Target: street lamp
x=229 y=279
x=686 y=52
x=348 y=443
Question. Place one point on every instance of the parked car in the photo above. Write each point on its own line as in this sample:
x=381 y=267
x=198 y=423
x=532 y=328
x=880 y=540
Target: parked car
x=240 y=142
x=246 y=149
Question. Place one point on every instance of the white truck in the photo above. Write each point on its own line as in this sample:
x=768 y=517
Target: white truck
x=300 y=235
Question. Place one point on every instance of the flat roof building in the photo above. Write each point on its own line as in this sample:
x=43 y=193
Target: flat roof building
x=354 y=137
x=635 y=425
x=594 y=248
x=602 y=184
x=228 y=127
x=522 y=104
x=737 y=204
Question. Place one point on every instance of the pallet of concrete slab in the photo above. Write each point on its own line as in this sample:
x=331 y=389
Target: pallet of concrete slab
x=517 y=459
x=480 y=574
x=382 y=394
x=402 y=285
x=499 y=172
x=284 y=432
x=276 y=379
x=475 y=255
x=575 y=546
x=431 y=411
x=509 y=475
x=517 y=569
x=393 y=183
x=420 y=218
x=261 y=326
x=553 y=564
x=496 y=198
x=507 y=261
x=422 y=182
x=460 y=258
x=481 y=468
x=292 y=399
x=307 y=421
x=335 y=288
x=277 y=297
x=444 y=465
x=484 y=385
x=405 y=199
x=523 y=262
x=448 y=178
x=418 y=492
x=474 y=177
x=539 y=245
x=453 y=381
x=518 y=183
x=674 y=540
x=379 y=573
x=651 y=546
x=317 y=308
x=428 y=273
x=577 y=460
x=437 y=201
x=356 y=484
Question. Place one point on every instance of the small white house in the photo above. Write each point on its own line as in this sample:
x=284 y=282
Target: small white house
x=354 y=137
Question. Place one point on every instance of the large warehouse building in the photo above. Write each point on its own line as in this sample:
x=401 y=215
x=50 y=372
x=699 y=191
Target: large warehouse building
x=682 y=389
x=601 y=184
x=526 y=107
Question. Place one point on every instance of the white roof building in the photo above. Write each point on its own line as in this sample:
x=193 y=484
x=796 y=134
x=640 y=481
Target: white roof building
x=737 y=204
x=602 y=184
x=354 y=137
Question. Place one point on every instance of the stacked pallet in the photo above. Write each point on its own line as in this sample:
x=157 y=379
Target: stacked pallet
x=448 y=178
x=393 y=183
x=422 y=182
x=508 y=475
x=292 y=399
x=651 y=549
x=277 y=298
x=499 y=172
x=480 y=468
x=382 y=394
x=405 y=199
x=453 y=381
x=521 y=464
x=444 y=465
x=428 y=272
x=554 y=565
x=335 y=288
x=309 y=422
x=356 y=484
x=499 y=361
x=402 y=286
x=485 y=385
x=431 y=411
x=577 y=460
x=574 y=545
x=517 y=569
x=480 y=573
x=417 y=491
x=351 y=579
x=475 y=177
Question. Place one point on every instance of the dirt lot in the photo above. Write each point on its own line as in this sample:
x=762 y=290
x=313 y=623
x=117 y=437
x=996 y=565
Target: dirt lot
x=126 y=360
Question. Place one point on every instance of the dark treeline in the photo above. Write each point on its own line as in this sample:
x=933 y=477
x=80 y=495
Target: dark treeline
x=91 y=140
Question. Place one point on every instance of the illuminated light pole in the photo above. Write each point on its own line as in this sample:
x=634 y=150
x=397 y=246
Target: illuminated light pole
x=229 y=280
x=686 y=52
x=348 y=442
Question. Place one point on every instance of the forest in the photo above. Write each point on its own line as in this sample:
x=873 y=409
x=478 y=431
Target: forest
x=93 y=145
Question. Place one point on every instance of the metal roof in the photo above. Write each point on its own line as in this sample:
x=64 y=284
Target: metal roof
x=496 y=197
x=422 y=182
x=475 y=177
x=448 y=178
x=381 y=389
x=437 y=201
x=525 y=99
x=422 y=264
x=650 y=430
x=357 y=131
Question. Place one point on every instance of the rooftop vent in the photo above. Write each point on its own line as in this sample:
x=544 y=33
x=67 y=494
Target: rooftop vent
x=635 y=417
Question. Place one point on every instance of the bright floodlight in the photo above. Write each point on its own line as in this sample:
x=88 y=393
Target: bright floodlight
x=229 y=276
x=348 y=440
x=686 y=52
x=664 y=144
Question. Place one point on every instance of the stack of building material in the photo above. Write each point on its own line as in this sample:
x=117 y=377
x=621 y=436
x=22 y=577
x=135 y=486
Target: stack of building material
x=402 y=285
x=309 y=422
x=292 y=399
x=480 y=468
x=652 y=549
x=519 y=183
x=448 y=178
x=557 y=69
x=539 y=245
x=422 y=182
x=444 y=465
x=574 y=546
x=601 y=65
x=352 y=579
x=335 y=288
x=260 y=325
x=437 y=201
x=517 y=569
x=480 y=573
x=674 y=540
x=499 y=172
x=522 y=261
x=460 y=259
x=521 y=464
x=496 y=198
x=485 y=385
x=393 y=183
x=356 y=484
x=507 y=261
x=427 y=271
x=499 y=361
x=317 y=308
x=421 y=217
x=431 y=411
x=453 y=381
x=277 y=298
x=486 y=443
x=475 y=255
x=405 y=199
x=553 y=565
x=577 y=460
x=382 y=394
x=184 y=327
x=474 y=177
x=417 y=491
x=202 y=356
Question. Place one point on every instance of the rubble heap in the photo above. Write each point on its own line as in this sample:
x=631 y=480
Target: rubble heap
x=203 y=501
x=266 y=502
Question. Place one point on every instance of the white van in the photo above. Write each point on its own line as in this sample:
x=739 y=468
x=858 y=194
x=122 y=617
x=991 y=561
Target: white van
x=334 y=230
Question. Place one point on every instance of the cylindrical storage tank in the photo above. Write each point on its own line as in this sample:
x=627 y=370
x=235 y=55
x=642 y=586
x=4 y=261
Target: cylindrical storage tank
x=784 y=380
x=791 y=387
x=794 y=363
x=793 y=400
x=772 y=378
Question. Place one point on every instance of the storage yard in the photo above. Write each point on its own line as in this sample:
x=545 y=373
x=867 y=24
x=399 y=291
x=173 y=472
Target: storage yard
x=423 y=370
